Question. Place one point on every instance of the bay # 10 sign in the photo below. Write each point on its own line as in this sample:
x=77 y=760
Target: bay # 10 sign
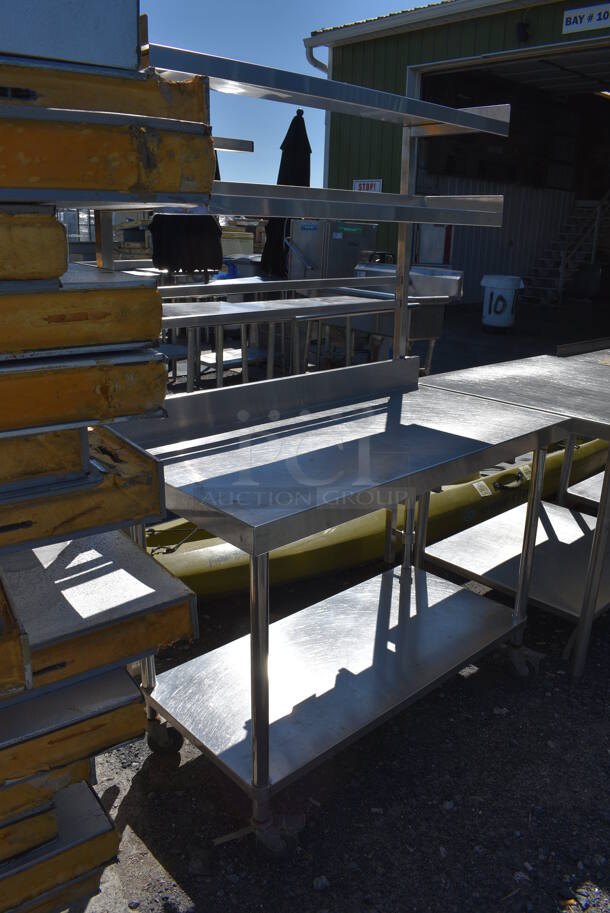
x=368 y=186
x=586 y=18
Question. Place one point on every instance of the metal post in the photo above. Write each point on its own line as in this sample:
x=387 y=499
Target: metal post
x=391 y=516
x=529 y=536
x=408 y=175
x=306 y=346
x=566 y=468
x=244 y=353
x=295 y=367
x=407 y=549
x=192 y=354
x=319 y=345
x=270 y=350
x=259 y=677
x=421 y=530
x=103 y=238
x=220 y=354
x=592 y=580
x=348 y=341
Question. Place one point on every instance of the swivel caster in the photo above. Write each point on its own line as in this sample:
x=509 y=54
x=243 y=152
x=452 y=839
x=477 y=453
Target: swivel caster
x=163 y=738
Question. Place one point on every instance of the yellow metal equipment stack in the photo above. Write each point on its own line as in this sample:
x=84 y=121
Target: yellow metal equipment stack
x=79 y=600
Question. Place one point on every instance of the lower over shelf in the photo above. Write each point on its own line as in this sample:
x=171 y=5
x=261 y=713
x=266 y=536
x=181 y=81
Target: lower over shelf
x=335 y=669
x=490 y=552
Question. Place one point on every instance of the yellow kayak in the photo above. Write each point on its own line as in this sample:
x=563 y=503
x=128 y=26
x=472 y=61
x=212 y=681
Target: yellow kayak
x=212 y=567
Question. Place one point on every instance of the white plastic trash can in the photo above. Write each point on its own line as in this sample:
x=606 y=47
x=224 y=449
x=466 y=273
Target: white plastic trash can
x=499 y=300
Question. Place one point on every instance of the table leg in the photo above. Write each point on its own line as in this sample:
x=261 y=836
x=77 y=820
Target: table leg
x=295 y=367
x=270 y=350
x=391 y=519
x=348 y=341
x=566 y=468
x=220 y=352
x=191 y=351
x=148 y=674
x=259 y=676
x=319 y=346
x=529 y=538
x=407 y=547
x=244 y=353
x=592 y=580
x=306 y=346
x=421 y=531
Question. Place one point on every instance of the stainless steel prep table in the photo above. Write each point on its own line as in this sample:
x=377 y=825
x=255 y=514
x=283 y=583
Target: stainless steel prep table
x=580 y=388
x=194 y=315
x=271 y=463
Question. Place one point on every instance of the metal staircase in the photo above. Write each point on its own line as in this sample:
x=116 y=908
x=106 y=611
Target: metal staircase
x=584 y=239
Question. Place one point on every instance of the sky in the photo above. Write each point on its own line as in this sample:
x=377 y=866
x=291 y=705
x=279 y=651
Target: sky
x=259 y=31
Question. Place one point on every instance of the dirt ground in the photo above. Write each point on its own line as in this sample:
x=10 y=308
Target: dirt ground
x=490 y=794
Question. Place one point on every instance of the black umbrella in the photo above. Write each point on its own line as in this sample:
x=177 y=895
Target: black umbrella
x=294 y=171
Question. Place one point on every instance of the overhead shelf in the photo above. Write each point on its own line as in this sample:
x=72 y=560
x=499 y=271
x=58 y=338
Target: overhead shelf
x=236 y=77
x=272 y=200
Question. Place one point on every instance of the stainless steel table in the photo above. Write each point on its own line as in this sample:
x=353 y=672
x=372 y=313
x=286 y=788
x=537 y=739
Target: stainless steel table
x=578 y=387
x=297 y=456
x=588 y=492
x=194 y=315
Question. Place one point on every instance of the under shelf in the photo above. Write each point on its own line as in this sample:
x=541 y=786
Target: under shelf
x=490 y=552
x=588 y=492
x=336 y=669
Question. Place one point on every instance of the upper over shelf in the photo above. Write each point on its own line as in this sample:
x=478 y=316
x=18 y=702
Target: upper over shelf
x=236 y=77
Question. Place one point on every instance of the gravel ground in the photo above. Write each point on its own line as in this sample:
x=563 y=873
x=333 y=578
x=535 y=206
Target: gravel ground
x=490 y=794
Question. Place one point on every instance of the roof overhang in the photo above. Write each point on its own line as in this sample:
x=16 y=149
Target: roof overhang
x=409 y=20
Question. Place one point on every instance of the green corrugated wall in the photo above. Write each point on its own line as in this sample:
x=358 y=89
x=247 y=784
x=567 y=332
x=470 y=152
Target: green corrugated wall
x=363 y=148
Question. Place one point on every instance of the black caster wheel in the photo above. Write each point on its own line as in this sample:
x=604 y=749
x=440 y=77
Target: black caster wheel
x=163 y=738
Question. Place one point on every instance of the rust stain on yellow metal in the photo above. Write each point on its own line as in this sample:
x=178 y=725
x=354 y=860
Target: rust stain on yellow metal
x=129 y=488
x=55 y=871
x=50 y=395
x=55 y=320
x=27 y=833
x=153 y=96
x=102 y=647
x=82 y=740
x=32 y=246
x=27 y=794
x=82 y=156
x=38 y=455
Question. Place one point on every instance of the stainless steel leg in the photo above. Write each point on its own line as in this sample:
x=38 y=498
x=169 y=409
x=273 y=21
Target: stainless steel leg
x=295 y=367
x=270 y=350
x=148 y=674
x=348 y=341
x=259 y=673
x=307 y=345
x=566 y=469
x=220 y=350
x=594 y=571
x=244 y=353
x=407 y=548
x=389 y=552
x=421 y=531
x=192 y=353
x=429 y=355
x=319 y=345
x=529 y=536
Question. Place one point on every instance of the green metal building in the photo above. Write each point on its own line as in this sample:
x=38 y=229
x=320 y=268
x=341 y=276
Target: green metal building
x=551 y=62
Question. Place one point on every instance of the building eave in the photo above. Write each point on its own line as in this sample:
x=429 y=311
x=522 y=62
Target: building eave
x=421 y=17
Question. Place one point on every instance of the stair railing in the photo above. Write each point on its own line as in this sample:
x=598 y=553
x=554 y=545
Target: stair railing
x=591 y=232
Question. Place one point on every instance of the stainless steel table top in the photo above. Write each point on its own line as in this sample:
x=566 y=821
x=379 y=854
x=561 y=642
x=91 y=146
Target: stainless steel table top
x=279 y=481
x=576 y=387
x=212 y=313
